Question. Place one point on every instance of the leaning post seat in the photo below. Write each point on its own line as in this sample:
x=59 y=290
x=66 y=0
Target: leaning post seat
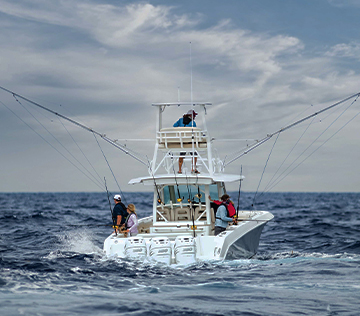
x=181 y=137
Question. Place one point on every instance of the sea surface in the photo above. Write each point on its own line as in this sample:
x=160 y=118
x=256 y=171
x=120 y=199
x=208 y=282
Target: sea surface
x=52 y=263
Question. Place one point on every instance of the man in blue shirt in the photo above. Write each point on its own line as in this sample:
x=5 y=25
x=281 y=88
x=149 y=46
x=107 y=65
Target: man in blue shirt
x=119 y=211
x=221 y=218
x=188 y=120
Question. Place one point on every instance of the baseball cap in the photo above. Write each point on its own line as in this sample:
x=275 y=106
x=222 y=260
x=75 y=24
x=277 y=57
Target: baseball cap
x=191 y=112
x=117 y=197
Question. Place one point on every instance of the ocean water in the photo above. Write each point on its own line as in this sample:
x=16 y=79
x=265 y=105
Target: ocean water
x=52 y=263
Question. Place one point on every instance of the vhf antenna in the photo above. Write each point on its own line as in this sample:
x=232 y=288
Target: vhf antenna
x=191 y=92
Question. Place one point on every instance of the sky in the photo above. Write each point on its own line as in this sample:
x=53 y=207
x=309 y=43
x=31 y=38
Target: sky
x=262 y=64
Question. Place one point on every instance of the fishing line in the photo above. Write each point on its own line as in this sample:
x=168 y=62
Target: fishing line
x=275 y=184
x=292 y=149
x=265 y=168
x=111 y=210
x=277 y=181
x=110 y=168
x=55 y=139
x=179 y=199
x=79 y=148
x=299 y=114
x=192 y=209
x=238 y=203
x=269 y=136
x=153 y=177
x=315 y=150
x=187 y=186
x=198 y=195
x=64 y=108
x=51 y=145
x=190 y=203
x=103 y=136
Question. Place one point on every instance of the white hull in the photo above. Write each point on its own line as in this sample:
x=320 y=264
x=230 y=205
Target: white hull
x=237 y=242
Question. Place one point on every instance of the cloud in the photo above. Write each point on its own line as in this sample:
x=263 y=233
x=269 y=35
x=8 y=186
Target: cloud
x=114 y=26
x=107 y=63
x=344 y=3
x=130 y=45
x=351 y=50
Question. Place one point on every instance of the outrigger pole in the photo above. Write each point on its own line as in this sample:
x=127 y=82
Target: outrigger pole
x=268 y=136
x=103 y=136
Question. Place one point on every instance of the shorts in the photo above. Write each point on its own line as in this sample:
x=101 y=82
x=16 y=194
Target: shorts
x=183 y=153
x=219 y=230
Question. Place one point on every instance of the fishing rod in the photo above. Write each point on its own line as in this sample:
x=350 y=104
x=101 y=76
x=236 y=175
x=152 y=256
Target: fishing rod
x=268 y=136
x=192 y=211
x=103 y=136
x=179 y=199
x=198 y=195
x=98 y=225
x=238 y=203
x=254 y=220
x=156 y=186
x=112 y=172
x=111 y=210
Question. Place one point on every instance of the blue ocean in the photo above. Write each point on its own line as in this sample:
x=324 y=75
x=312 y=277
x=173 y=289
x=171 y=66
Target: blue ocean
x=52 y=263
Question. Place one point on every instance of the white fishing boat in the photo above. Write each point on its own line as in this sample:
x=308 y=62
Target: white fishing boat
x=181 y=228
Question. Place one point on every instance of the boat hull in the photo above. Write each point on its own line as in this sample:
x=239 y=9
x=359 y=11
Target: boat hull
x=245 y=246
x=237 y=242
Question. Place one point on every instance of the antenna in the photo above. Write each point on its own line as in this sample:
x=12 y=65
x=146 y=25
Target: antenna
x=191 y=93
x=179 y=94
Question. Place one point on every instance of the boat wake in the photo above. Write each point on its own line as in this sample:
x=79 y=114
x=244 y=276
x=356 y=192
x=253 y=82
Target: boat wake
x=79 y=241
x=304 y=256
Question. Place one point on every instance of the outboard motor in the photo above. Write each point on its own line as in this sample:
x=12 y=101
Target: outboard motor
x=185 y=250
x=160 y=250
x=135 y=247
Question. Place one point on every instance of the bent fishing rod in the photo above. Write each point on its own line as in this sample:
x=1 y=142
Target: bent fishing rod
x=103 y=136
x=111 y=210
x=269 y=136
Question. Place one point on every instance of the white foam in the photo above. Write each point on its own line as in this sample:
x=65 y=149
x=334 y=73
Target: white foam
x=79 y=241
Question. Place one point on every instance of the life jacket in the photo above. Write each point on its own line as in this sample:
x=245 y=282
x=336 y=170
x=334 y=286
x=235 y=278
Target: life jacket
x=229 y=208
x=127 y=219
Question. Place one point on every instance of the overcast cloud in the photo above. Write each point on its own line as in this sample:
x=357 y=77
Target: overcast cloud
x=261 y=64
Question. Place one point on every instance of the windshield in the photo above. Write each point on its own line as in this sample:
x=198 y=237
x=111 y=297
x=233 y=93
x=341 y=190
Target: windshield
x=184 y=192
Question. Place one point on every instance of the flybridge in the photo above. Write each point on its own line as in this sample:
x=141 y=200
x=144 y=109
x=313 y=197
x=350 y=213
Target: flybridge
x=190 y=144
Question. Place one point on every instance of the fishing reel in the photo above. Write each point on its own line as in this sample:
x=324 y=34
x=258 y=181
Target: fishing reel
x=123 y=231
x=236 y=220
x=192 y=227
